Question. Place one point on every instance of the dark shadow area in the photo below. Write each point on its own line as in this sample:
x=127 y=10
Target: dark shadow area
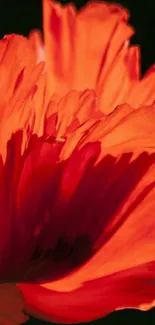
x=127 y=316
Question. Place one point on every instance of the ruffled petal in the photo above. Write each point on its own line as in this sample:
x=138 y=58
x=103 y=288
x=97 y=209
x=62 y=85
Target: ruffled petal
x=67 y=31
x=64 y=115
x=102 y=61
x=20 y=79
x=123 y=134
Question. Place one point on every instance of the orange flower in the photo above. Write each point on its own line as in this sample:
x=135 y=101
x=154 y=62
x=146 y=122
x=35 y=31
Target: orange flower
x=90 y=49
x=77 y=196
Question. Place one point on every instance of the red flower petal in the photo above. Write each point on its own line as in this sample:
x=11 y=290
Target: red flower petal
x=120 y=191
x=94 y=298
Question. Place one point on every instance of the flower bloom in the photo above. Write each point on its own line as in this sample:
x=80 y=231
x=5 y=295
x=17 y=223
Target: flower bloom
x=90 y=49
x=77 y=196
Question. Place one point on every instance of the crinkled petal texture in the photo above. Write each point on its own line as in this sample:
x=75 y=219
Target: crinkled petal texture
x=26 y=101
x=77 y=59
x=96 y=226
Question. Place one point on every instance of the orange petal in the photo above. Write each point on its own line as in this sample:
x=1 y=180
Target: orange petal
x=72 y=110
x=143 y=92
x=93 y=130
x=13 y=62
x=133 y=131
x=121 y=78
x=20 y=78
x=116 y=84
x=79 y=30
x=58 y=35
x=132 y=61
x=98 y=53
x=37 y=43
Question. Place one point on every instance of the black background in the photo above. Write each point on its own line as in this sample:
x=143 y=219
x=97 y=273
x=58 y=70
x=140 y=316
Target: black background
x=19 y=16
